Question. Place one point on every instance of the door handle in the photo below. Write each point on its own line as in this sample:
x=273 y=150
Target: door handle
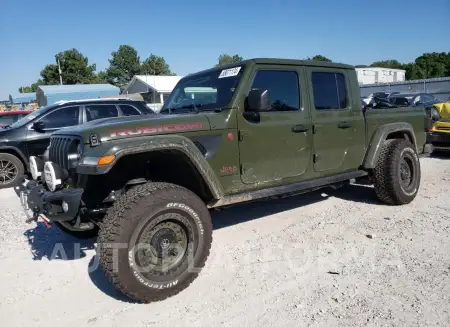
x=299 y=129
x=345 y=124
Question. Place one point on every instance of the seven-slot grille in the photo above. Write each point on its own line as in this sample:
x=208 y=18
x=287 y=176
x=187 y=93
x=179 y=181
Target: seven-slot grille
x=60 y=148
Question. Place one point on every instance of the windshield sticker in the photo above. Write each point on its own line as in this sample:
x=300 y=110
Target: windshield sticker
x=229 y=72
x=170 y=128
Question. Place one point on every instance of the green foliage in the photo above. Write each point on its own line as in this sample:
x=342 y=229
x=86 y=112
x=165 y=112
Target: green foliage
x=391 y=63
x=155 y=65
x=32 y=88
x=227 y=59
x=124 y=64
x=428 y=65
x=320 y=58
x=75 y=69
x=100 y=78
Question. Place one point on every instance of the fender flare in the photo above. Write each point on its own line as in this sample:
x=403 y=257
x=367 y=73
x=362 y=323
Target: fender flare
x=176 y=142
x=381 y=134
x=20 y=153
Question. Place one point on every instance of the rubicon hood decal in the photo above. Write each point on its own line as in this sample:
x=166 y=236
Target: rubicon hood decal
x=128 y=127
x=167 y=128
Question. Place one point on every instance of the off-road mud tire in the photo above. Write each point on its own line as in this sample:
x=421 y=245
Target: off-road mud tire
x=138 y=208
x=387 y=181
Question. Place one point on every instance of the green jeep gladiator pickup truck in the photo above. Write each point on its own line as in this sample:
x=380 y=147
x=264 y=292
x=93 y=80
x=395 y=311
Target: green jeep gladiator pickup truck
x=256 y=129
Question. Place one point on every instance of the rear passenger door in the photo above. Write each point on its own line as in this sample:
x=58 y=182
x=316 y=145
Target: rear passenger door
x=334 y=125
x=100 y=111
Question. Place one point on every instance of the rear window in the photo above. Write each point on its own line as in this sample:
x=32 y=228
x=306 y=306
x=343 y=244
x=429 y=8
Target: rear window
x=99 y=111
x=128 y=110
x=329 y=90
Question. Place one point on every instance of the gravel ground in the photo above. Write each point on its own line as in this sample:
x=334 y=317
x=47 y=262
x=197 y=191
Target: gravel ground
x=338 y=258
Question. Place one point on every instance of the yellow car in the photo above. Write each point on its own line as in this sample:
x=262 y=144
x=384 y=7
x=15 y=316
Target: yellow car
x=439 y=133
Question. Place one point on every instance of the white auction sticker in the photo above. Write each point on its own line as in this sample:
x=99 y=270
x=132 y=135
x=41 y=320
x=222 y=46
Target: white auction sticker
x=229 y=72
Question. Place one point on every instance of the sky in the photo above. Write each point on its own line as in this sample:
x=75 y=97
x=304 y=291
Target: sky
x=191 y=35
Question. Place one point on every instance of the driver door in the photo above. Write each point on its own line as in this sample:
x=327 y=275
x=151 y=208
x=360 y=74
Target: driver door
x=37 y=141
x=275 y=146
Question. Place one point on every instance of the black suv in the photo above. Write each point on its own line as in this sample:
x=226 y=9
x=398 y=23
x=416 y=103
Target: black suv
x=30 y=136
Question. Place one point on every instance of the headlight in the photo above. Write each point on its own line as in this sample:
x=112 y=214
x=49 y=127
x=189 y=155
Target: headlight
x=53 y=175
x=435 y=114
x=74 y=157
x=36 y=167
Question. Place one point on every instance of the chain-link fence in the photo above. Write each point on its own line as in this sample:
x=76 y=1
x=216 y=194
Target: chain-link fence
x=439 y=87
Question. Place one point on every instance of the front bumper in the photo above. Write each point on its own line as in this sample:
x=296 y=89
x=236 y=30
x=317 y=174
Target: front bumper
x=37 y=201
x=439 y=140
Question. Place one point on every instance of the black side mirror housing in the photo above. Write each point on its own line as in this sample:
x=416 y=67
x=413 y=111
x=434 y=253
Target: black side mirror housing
x=39 y=126
x=364 y=107
x=258 y=100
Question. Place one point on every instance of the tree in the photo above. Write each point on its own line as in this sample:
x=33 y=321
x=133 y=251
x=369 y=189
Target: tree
x=391 y=63
x=428 y=65
x=100 y=78
x=227 y=59
x=75 y=69
x=124 y=64
x=32 y=88
x=431 y=65
x=411 y=71
x=320 y=58
x=155 y=65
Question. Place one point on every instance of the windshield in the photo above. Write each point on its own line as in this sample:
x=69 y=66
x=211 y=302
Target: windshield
x=29 y=117
x=206 y=91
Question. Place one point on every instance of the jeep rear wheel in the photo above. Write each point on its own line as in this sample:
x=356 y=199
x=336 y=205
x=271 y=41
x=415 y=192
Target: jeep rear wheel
x=154 y=241
x=397 y=173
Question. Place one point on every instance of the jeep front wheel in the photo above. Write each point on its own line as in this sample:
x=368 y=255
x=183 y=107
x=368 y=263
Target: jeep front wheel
x=397 y=173
x=154 y=241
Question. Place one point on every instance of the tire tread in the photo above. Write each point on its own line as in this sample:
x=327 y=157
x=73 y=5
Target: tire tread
x=111 y=226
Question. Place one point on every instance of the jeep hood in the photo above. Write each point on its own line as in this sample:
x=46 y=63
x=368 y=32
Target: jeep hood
x=125 y=127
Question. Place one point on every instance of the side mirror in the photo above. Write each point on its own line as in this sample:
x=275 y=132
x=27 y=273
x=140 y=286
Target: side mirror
x=364 y=107
x=39 y=126
x=258 y=100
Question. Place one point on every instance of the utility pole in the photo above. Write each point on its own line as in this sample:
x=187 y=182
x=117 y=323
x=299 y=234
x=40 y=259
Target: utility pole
x=59 y=69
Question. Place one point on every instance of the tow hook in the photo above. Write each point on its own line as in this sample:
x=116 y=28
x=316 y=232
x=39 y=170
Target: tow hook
x=46 y=221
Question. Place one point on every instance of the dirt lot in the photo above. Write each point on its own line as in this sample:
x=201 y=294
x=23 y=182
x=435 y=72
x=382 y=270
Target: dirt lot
x=338 y=258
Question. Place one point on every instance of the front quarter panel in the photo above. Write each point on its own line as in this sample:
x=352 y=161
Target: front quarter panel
x=123 y=147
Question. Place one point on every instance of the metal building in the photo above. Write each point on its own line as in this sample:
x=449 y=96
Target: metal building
x=372 y=75
x=22 y=98
x=154 y=89
x=49 y=94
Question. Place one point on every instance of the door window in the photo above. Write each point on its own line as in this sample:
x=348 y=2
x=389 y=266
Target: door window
x=64 y=117
x=99 y=111
x=330 y=91
x=8 y=119
x=128 y=110
x=283 y=88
